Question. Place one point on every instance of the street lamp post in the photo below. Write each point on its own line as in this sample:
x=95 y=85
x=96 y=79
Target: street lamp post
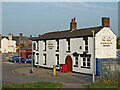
x=31 y=71
x=19 y=49
x=93 y=56
x=32 y=64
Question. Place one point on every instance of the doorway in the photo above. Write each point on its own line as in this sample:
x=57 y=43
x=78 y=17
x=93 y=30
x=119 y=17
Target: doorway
x=68 y=61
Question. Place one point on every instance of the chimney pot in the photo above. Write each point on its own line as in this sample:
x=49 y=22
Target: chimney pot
x=72 y=20
x=73 y=24
x=20 y=34
x=30 y=36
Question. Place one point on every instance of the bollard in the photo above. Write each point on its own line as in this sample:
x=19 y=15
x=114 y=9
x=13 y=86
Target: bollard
x=54 y=70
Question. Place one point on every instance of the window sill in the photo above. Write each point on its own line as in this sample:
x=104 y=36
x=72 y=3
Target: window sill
x=37 y=63
x=75 y=65
x=85 y=67
x=57 y=50
x=86 y=51
x=68 y=51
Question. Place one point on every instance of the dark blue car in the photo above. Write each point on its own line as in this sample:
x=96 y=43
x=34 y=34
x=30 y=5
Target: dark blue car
x=27 y=60
x=15 y=59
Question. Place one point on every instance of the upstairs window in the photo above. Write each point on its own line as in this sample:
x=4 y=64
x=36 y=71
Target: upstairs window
x=57 y=49
x=68 y=44
x=85 y=40
x=44 y=45
x=34 y=46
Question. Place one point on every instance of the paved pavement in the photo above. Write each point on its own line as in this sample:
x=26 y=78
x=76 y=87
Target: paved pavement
x=19 y=73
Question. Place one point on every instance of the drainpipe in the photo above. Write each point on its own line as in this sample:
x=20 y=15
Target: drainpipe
x=93 y=55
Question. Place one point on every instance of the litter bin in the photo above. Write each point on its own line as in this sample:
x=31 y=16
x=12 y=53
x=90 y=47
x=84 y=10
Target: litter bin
x=63 y=67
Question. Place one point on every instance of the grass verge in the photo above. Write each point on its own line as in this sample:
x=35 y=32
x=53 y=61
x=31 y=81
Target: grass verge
x=5 y=61
x=35 y=85
x=105 y=84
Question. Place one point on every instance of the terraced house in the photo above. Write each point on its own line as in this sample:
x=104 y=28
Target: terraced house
x=74 y=47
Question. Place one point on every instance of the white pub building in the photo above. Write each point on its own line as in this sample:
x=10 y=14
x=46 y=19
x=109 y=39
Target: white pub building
x=74 y=47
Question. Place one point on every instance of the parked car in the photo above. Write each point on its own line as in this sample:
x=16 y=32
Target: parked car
x=17 y=59
x=27 y=60
x=10 y=59
x=57 y=67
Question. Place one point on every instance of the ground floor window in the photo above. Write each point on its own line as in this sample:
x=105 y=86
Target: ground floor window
x=85 y=62
x=44 y=59
x=37 y=57
x=57 y=59
x=76 y=61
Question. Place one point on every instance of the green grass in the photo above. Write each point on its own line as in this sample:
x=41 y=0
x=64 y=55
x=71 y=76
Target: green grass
x=5 y=61
x=104 y=84
x=35 y=85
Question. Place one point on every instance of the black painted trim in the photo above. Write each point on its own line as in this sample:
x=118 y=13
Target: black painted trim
x=85 y=67
x=75 y=65
x=68 y=51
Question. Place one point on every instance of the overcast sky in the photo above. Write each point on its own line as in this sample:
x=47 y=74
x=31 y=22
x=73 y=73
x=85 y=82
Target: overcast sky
x=41 y=17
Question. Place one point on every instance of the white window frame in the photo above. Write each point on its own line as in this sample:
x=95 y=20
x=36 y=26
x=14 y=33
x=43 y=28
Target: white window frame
x=57 y=60
x=86 y=62
x=37 y=58
x=44 y=59
x=57 y=45
x=76 y=60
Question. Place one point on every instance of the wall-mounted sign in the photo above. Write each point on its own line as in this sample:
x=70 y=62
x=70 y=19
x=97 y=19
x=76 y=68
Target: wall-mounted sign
x=106 y=40
x=50 y=45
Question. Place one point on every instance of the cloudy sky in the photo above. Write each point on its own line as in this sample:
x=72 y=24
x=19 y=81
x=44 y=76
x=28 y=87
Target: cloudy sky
x=34 y=18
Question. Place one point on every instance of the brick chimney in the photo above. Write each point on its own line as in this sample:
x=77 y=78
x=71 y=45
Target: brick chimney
x=10 y=36
x=20 y=34
x=39 y=35
x=105 y=22
x=30 y=36
x=0 y=35
x=73 y=24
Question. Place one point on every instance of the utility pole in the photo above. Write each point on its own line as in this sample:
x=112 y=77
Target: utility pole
x=93 y=56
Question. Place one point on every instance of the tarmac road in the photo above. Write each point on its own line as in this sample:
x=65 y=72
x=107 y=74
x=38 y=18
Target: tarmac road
x=8 y=77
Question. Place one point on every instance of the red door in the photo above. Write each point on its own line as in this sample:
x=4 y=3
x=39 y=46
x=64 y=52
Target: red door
x=68 y=61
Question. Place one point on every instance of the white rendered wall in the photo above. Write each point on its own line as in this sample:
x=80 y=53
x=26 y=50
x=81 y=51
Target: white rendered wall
x=75 y=44
x=105 y=52
x=75 y=47
x=8 y=45
x=11 y=46
x=4 y=45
